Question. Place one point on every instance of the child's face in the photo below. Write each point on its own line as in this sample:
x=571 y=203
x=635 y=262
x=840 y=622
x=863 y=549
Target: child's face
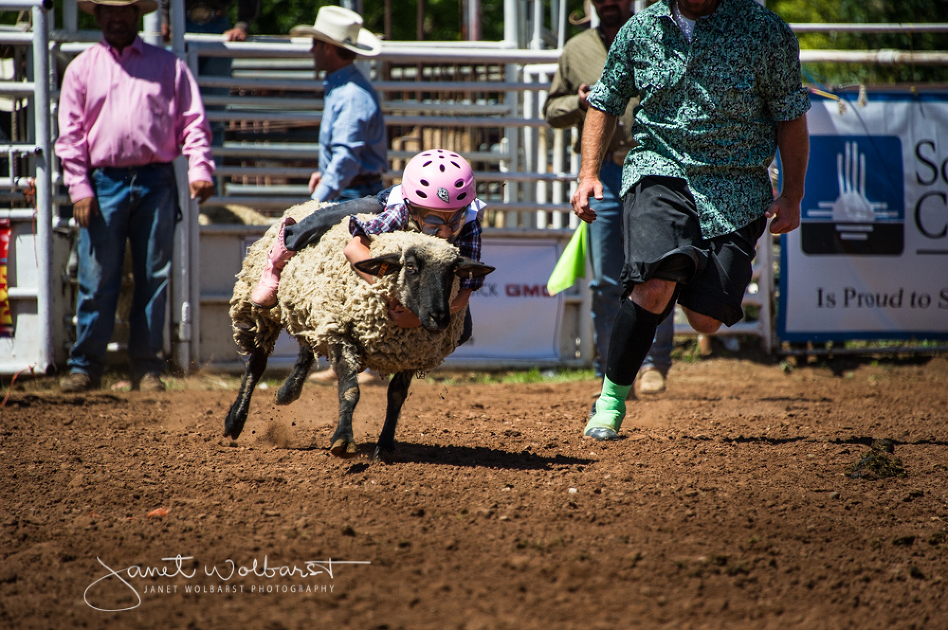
x=440 y=223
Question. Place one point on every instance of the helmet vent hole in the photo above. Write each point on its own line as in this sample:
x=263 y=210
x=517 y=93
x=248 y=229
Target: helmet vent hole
x=421 y=194
x=441 y=167
x=459 y=183
x=461 y=196
x=456 y=165
x=424 y=182
x=428 y=162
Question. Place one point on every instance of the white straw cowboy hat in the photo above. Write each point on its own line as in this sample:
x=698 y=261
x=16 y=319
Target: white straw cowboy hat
x=341 y=27
x=143 y=6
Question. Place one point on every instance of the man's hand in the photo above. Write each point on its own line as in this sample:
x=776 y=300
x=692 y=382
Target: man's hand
x=597 y=130
x=588 y=187
x=785 y=214
x=85 y=210
x=314 y=180
x=235 y=34
x=402 y=317
x=583 y=93
x=201 y=190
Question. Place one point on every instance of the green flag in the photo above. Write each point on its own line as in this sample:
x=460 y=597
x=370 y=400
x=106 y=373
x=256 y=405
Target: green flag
x=572 y=264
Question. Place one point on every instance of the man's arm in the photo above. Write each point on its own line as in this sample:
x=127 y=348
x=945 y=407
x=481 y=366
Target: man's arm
x=72 y=145
x=84 y=210
x=194 y=133
x=562 y=107
x=164 y=10
x=596 y=132
x=343 y=167
x=793 y=140
x=247 y=12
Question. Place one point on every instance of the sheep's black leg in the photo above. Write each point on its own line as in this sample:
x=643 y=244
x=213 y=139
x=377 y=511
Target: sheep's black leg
x=293 y=385
x=234 y=423
x=397 y=394
x=343 y=441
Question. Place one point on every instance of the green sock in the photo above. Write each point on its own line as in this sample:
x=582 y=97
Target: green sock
x=610 y=407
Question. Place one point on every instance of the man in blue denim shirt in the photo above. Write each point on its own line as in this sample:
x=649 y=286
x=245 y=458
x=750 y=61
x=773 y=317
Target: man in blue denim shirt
x=719 y=91
x=353 y=145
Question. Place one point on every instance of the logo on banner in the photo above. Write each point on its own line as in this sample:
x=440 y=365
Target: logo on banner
x=861 y=210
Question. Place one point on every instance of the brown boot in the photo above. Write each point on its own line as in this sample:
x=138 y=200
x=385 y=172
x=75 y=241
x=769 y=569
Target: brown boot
x=651 y=381
x=264 y=295
x=76 y=382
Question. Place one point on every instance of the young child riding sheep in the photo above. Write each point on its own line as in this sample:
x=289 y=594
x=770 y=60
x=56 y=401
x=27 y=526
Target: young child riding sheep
x=374 y=291
x=437 y=196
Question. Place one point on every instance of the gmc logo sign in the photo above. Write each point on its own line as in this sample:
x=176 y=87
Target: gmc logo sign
x=523 y=290
x=490 y=290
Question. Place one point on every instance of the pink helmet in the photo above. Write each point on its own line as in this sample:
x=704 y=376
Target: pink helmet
x=438 y=180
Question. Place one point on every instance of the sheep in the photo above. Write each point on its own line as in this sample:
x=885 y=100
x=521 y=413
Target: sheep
x=332 y=312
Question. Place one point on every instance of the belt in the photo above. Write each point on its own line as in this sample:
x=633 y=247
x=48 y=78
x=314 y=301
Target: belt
x=202 y=13
x=139 y=167
x=365 y=179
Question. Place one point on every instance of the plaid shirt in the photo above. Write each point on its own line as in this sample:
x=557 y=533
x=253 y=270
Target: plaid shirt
x=395 y=216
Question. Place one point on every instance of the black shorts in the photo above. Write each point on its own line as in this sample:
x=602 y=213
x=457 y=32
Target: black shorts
x=662 y=239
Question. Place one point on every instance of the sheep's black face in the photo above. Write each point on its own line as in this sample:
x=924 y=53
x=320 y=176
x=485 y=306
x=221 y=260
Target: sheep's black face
x=427 y=289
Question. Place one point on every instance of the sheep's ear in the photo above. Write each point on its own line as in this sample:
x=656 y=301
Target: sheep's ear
x=467 y=268
x=380 y=266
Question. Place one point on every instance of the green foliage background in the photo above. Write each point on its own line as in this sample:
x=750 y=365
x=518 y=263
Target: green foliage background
x=868 y=11
x=443 y=23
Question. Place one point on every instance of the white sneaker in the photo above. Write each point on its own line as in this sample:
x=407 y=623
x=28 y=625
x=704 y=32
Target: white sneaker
x=651 y=382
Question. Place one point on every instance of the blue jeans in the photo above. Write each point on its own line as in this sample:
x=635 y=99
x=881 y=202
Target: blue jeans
x=358 y=192
x=606 y=257
x=659 y=355
x=140 y=205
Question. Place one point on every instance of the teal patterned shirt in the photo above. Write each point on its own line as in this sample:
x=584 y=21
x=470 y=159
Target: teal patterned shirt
x=709 y=109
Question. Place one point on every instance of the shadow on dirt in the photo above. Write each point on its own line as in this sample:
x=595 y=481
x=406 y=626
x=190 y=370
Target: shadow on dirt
x=472 y=457
x=841 y=364
x=854 y=440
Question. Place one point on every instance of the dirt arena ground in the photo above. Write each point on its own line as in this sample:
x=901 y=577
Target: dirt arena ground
x=728 y=504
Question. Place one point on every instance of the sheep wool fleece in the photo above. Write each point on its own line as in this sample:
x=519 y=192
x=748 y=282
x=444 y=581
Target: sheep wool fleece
x=324 y=303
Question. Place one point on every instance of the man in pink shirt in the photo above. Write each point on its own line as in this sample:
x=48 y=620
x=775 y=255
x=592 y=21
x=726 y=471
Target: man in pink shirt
x=126 y=110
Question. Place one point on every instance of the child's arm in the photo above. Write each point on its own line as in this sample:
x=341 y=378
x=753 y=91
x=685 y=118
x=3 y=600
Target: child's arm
x=356 y=251
x=404 y=318
x=460 y=302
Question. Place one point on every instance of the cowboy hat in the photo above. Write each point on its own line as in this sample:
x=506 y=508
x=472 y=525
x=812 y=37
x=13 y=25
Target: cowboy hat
x=144 y=6
x=341 y=27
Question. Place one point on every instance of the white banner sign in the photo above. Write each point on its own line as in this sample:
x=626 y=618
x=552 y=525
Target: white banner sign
x=870 y=259
x=515 y=318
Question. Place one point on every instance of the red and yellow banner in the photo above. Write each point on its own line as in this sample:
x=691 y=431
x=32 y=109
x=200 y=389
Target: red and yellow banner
x=6 y=318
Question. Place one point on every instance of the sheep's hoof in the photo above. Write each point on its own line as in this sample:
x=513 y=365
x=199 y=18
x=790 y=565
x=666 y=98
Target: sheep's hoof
x=383 y=455
x=343 y=448
x=288 y=395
